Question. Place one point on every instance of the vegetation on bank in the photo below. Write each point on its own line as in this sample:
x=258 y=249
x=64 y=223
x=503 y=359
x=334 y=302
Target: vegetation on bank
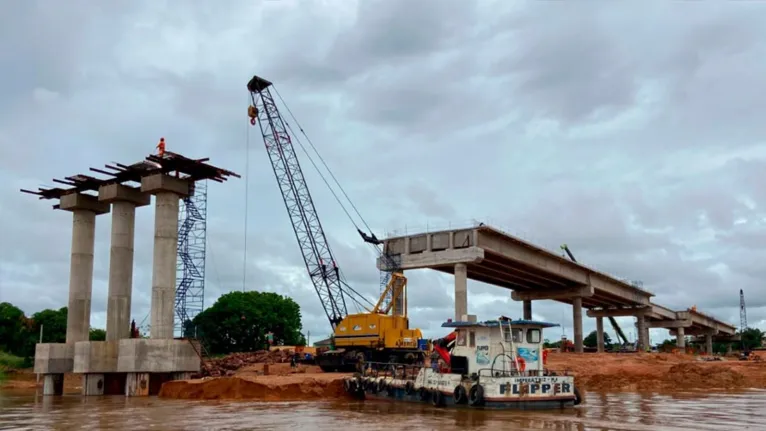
x=19 y=333
x=241 y=322
x=236 y=322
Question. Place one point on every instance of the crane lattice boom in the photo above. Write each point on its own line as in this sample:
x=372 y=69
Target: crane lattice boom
x=315 y=249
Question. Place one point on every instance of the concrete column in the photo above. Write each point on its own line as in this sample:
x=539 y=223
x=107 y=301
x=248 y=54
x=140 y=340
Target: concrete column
x=680 y=338
x=53 y=384
x=165 y=260
x=641 y=329
x=84 y=209
x=81 y=275
x=92 y=384
x=124 y=201
x=167 y=191
x=577 y=324
x=600 y=334
x=528 y=309
x=120 y=271
x=461 y=291
x=709 y=344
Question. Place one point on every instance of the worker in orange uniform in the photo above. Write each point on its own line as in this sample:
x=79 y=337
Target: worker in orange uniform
x=161 y=147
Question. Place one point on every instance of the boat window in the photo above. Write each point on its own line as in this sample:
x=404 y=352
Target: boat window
x=460 y=338
x=533 y=335
x=517 y=338
x=472 y=339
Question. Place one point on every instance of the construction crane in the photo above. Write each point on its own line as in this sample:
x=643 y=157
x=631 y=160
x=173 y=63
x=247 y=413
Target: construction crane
x=617 y=330
x=372 y=335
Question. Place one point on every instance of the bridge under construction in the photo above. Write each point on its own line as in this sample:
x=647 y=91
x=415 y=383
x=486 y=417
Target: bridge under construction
x=484 y=253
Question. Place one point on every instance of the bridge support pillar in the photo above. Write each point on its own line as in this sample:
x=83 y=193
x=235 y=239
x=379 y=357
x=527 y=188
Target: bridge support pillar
x=600 y=334
x=643 y=333
x=528 y=309
x=709 y=344
x=680 y=338
x=577 y=324
x=461 y=291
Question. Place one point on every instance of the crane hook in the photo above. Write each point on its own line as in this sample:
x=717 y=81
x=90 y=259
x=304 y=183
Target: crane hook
x=252 y=112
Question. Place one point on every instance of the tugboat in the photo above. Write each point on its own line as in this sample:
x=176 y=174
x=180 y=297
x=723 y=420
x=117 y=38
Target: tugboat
x=492 y=364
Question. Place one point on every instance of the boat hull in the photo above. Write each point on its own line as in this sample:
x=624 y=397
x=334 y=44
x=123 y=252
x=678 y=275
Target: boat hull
x=489 y=403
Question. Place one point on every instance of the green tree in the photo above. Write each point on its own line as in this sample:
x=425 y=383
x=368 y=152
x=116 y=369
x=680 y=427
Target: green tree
x=97 y=334
x=54 y=325
x=13 y=328
x=239 y=321
x=592 y=340
x=752 y=338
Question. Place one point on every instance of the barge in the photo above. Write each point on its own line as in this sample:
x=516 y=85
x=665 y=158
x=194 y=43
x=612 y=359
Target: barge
x=492 y=364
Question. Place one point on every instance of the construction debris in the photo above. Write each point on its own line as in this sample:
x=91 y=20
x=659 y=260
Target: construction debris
x=228 y=365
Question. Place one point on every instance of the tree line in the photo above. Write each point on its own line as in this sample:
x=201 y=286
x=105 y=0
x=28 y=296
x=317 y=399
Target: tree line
x=236 y=322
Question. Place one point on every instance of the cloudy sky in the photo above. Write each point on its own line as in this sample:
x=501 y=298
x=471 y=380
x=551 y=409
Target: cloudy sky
x=633 y=134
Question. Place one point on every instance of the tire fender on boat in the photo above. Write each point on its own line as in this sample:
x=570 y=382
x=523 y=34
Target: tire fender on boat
x=390 y=390
x=409 y=388
x=347 y=385
x=424 y=394
x=461 y=397
x=381 y=385
x=578 y=397
x=437 y=398
x=476 y=395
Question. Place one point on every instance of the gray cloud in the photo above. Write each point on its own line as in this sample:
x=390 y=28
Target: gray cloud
x=632 y=134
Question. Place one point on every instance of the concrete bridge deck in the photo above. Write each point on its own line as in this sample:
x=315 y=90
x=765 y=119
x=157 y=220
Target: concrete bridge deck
x=489 y=255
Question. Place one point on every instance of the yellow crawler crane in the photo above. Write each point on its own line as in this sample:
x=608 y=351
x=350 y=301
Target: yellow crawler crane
x=379 y=334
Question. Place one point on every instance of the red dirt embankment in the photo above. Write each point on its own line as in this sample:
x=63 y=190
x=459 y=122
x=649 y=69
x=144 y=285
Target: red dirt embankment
x=296 y=387
x=592 y=371
x=657 y=371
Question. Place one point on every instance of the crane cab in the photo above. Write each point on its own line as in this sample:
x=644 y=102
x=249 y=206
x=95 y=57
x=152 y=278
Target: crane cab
x=498 y=346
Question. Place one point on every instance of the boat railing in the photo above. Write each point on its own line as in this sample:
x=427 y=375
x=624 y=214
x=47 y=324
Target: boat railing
x=389 y=369
x=489 y=372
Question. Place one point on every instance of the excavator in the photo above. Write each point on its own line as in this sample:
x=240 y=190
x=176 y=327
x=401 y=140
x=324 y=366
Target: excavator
x=617 y=330
x=377 y=334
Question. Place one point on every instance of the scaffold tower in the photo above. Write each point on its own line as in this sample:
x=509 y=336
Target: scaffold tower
x=190 y=272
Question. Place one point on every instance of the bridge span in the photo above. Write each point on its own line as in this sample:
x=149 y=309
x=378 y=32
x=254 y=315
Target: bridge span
x=489 y=255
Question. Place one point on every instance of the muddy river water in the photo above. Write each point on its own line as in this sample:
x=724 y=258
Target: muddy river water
x=615 y=411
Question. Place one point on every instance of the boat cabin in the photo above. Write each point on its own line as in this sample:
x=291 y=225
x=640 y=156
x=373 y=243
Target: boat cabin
x=498 y=347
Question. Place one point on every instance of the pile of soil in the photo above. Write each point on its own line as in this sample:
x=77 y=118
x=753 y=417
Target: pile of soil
x=656 y=371
x=228 y=365
x=297 y=387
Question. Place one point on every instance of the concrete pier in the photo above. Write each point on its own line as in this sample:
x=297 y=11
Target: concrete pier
x=167 y=190
x=124 y=201
x=680 y=338
x=461 y=291
x=709 y=344
x=643 y=343
x=577 y=324
x=528 y=309
x=600 y=334
x=84 y=209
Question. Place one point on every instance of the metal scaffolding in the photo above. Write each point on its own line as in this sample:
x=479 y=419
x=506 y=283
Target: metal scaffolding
x=190 y=272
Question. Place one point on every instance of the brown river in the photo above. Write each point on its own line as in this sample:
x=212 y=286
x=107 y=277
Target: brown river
x=615 y=411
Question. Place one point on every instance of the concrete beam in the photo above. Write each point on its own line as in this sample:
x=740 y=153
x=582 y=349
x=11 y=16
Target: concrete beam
x=54 y=358
x=666 y=324
x=112 y=193
x=161 y=183
x=585 y=291
x=433 y=259
x=141 y=355
x=95 y=357
x=536 y=257
x=82 y=202
x=618 y=312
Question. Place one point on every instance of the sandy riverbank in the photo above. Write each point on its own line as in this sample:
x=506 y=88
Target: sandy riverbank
x=592 y=371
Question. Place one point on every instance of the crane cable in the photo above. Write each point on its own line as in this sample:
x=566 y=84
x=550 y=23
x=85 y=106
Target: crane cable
x=356 y=301
x=247 y=201
x=332 y=175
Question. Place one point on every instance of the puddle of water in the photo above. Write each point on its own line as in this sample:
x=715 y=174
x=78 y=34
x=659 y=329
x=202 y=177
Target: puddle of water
x=602 y=411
